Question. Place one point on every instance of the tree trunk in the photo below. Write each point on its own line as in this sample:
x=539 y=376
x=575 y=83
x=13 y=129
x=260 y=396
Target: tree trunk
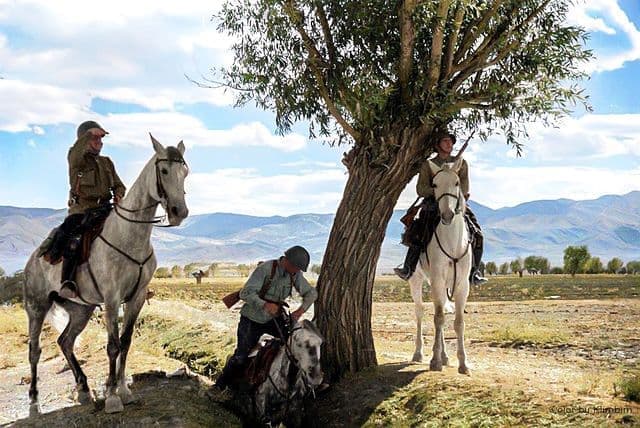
x=345 y=285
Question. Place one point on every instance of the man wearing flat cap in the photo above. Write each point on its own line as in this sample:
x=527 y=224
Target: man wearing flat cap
x=94 y=183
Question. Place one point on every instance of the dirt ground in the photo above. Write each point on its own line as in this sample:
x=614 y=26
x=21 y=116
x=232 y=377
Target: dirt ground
x=546 y=362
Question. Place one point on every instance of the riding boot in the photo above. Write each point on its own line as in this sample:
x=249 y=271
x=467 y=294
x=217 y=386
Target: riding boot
x=231 y=371
x=476 y=278
x=69 y=289
x=410 y=263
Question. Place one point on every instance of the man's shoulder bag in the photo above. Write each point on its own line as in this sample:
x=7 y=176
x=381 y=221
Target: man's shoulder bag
x=231 y=299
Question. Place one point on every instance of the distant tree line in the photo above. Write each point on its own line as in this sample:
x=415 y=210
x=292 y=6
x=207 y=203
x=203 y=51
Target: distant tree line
x=577 y=259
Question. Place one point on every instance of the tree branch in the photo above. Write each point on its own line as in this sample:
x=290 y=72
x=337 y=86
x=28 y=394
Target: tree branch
x=436 y=44
x=315 y=59
x=326 y=31
x=476 y=28
x=479 y=60
x=452 y=41
x=407 y=41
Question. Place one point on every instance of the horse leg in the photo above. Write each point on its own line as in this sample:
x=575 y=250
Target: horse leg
x=437 y=293
x=443 y=355
x=458 y=324
x=415 y=282
x=131 y=312
x=79 y=316
x=36 y=314
x=112 y=403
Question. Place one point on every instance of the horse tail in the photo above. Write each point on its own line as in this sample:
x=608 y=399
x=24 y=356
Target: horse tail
x=57 y=317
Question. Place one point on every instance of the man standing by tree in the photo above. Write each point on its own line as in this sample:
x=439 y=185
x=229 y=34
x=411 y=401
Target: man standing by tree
x=264 y=294
x=421 y=231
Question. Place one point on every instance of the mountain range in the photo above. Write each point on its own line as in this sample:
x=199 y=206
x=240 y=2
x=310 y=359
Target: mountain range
x=609 y=226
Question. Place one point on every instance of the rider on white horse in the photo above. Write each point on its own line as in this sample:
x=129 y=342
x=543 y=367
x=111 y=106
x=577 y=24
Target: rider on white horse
x=93 y=181
x=420 y=232
x=264 y=294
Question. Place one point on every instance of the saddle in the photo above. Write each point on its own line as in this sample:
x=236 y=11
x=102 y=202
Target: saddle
x=260 y=363
x=56 y=244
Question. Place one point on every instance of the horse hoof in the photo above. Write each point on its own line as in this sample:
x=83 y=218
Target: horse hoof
x=113 y=404
x=33 y=396
x=127 y=398
x=83 y=397
x=435 y=366
x=417 y=358
x=464 y=370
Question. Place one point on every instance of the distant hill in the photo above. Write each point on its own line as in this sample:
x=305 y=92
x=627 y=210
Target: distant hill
x=609 y=225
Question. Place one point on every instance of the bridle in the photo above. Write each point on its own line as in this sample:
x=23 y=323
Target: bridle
x=173 y=157
x=455 y=260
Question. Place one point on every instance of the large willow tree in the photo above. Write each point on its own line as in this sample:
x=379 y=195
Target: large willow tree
x=383 y=78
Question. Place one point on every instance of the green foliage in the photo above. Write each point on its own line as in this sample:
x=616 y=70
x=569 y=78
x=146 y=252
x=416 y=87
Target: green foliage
x=11 y=288
x=316 y=269
x=629 y=386
x=504 y=268
x=191 y=267
x=371 y=69
x=541 y=264
x=614 y=265
x=633 y=267
x=162 y=272
x=516 y=266
x=2 y=273
x=244 y=269
x=593 y=266
x=575 y=259
x=491 y=268
x=556 y=270
x=177 y=272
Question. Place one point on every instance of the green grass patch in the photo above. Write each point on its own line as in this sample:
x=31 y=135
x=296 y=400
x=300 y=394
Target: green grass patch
x=629 y=387
x=517 y=334
x=203 y=349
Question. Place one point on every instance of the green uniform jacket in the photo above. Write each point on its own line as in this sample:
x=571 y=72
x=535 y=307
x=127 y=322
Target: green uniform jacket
x=280 y=289
x=90 y=177
x=425 y=179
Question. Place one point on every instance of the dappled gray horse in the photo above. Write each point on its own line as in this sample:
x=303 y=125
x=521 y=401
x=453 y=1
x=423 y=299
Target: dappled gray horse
x=447 y=263
x=294 y=374
x=118 y=271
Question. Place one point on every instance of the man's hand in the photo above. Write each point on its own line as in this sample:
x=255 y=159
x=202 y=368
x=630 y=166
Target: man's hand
x=297 y=314
x=96 y=132
x=272 y=308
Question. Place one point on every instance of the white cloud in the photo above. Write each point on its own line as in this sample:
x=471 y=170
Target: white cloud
x=132 y=52
x=245 y=191
x=31 y=143
x=37 y=130
x=171 y=127
x=612 y=20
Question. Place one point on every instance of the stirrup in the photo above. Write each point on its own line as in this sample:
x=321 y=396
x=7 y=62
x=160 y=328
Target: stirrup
x=400 y=272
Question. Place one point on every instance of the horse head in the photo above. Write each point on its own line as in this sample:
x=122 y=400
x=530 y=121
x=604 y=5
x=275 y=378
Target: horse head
x=305 y=346
x=446 y=189
x=168 y=186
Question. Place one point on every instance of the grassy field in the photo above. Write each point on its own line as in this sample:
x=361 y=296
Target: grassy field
x=393 y=289
x=531 y=358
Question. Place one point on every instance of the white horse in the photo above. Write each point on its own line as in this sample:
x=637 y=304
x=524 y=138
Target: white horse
x=447 y=264
x=118 y=271
x=294 y=374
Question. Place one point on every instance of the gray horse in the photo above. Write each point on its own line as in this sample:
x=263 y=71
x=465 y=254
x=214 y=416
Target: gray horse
x=294 y=374
x=118 y=271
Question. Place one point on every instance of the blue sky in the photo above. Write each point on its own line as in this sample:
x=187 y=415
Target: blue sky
x=123 y=64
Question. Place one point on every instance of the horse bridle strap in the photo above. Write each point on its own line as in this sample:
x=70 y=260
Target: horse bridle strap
x=455 y=261
x=140 y=264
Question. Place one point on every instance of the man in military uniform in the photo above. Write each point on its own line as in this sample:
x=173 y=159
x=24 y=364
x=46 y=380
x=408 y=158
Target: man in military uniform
x=421 y=230
x=94 y=181
x=263 y=310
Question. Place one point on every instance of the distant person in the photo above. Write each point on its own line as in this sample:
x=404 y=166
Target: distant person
x=94 y=183
x=419 y=233
x=264 y=294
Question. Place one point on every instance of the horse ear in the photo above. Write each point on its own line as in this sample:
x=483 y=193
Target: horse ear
x=434 y=168
x=457 y=164
x=159 y=148
x=311 y=326
x=181 y=147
